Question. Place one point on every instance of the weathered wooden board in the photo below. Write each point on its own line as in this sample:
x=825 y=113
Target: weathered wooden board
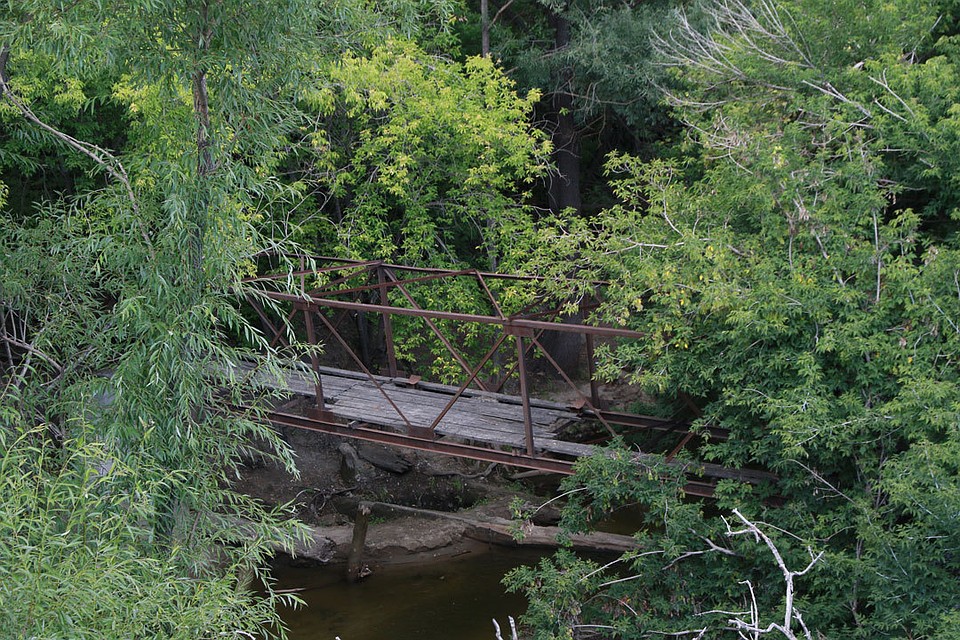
x=493 y=419
x=478 y=416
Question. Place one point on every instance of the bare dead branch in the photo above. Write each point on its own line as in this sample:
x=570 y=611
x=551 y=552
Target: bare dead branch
x=790 y=613
x=33 y=350
x=712 y=547
x=513 y=629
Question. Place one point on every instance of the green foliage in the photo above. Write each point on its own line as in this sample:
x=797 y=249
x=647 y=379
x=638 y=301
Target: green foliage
x=79 y=559
x=74 y=105
x=609 y=52
x=794 y=271
x=677 y=579
x=612 y=480
x=422 y=157
x=422 y=161
x=594 y=64
x=120 y=292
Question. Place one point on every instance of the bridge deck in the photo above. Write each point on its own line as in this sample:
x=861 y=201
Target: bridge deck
x=477 y=416
x=491 y=420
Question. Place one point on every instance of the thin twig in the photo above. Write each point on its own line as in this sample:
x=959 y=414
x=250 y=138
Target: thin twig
x=32 y=349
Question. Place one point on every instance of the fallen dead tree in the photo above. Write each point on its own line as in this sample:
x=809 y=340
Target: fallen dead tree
x=502 y=531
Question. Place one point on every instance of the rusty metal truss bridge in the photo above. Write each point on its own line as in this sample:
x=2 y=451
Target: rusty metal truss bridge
x=370 y=336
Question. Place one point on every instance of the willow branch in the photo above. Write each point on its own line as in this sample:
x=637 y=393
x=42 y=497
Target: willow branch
x=106 y=160
x=29 y=348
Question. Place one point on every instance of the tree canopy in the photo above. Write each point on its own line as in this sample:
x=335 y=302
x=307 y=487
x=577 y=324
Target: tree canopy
x=782 y=227
x=795 y=271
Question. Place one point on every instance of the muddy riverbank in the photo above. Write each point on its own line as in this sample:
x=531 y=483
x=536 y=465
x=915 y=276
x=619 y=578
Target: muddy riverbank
x=424 y=506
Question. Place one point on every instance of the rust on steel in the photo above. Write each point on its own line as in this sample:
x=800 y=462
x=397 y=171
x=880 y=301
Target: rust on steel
x=694 y=487
x=359 y=287
x=525 y=396
x=466 y=383
x=314 y=357
x=410 y=441
x=338 y=264
x=443 y=339
x=387 y=323
x=594 y=406
x=610 y=332
x=364 y=368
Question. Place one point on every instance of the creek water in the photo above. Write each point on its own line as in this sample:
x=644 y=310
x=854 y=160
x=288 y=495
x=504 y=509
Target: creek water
x=452 y=599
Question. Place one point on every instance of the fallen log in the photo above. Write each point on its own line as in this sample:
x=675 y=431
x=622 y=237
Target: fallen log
x=500 y=531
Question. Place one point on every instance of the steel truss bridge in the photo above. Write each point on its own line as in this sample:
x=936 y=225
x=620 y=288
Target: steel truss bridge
x=384 y=331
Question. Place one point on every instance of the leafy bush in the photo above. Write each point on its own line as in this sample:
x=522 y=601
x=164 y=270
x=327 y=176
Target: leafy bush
x=78 y=558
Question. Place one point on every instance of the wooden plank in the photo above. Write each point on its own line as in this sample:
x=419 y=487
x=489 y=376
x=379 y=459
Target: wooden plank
x=490 y=395
x=495 y=427
x=518 y=441
x=384 y=413
x=488 y=404
x=477 y=405
x=298 y=382
x=574 y=449
x=430 y=406
x=356 y=390
x=445 y=389
x=480 y=416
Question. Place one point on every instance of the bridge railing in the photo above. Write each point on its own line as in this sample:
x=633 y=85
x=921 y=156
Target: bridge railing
x=330 y=290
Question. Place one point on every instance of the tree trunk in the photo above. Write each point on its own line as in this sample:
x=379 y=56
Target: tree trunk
x=564 y=189
x=485 y=28
x=205 y=160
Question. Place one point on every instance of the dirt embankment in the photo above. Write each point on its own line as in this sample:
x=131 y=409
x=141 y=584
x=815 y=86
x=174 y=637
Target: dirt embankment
x=423 y=506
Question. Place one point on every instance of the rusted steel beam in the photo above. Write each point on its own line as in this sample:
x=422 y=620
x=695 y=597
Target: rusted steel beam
x=446 y=447
x=350 y=276
x=634 y=419
x=443 y=339
x=525 y=395
x=509 y=373
x=341 y=262
x=314 y=358
x=677 y=449
x=327 y=291
x=396 y=282
x=610 y=332
x=387 y=323
x=370 y=376
x=268 y=324
x=466 y=383
x=339 y=318
x=304 y=271
x=279 y=334
x=694 y=486
x=493 y=299
x=592 y=373
x=569 y=382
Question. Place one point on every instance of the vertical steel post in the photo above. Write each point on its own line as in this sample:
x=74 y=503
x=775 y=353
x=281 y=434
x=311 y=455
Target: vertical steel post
x=387 y=324
x=591 y=360
x=314 y=358
x=525 y=395
x=592 y=371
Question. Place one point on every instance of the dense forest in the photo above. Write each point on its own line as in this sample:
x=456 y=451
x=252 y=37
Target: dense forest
x=766 y=185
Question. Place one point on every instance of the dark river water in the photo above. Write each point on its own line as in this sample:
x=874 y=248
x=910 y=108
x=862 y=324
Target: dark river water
x=454 y=599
